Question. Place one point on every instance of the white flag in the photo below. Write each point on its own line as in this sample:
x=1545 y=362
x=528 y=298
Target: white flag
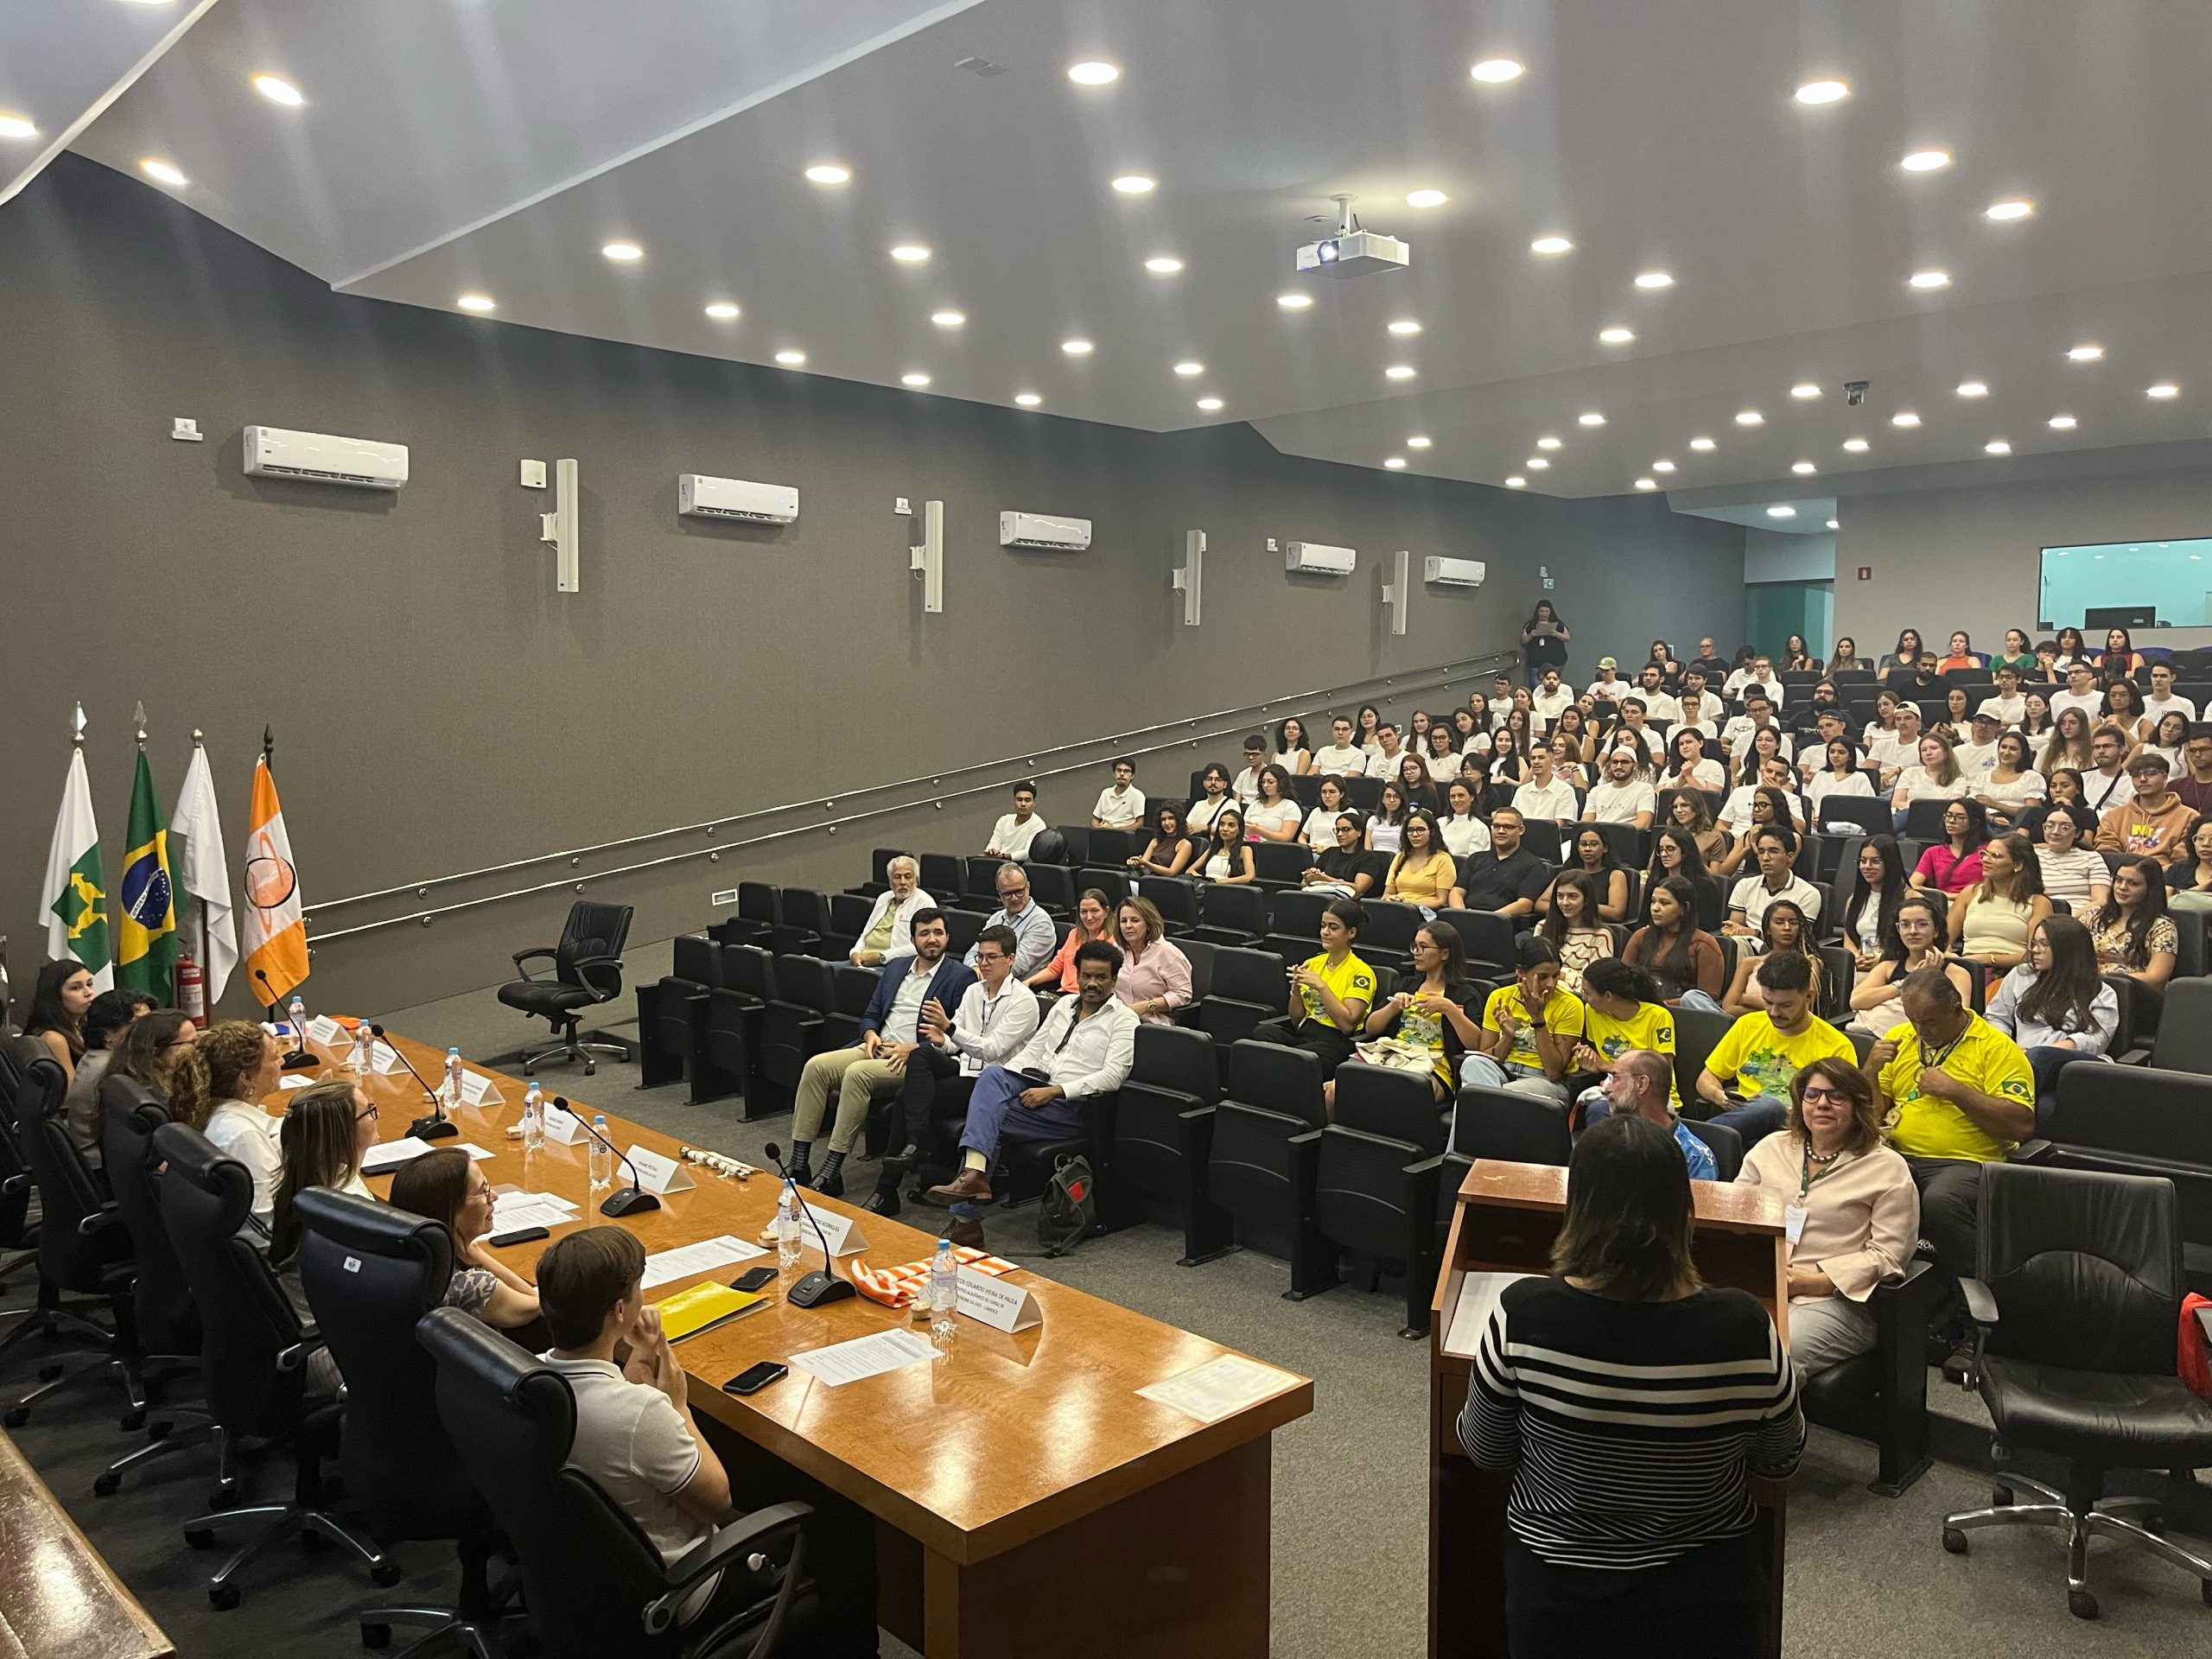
x=205 y=871
x=74 y=902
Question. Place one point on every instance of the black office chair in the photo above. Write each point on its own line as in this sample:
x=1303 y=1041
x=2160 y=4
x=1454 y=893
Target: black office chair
x=2077 y=1301
x=596 y=1587
x=370 y=1273
x=672 y=1010
x=1375 y=1182
x=253 y=1356
x=792 y=1031
x=1163 y=1131
x=586 y=972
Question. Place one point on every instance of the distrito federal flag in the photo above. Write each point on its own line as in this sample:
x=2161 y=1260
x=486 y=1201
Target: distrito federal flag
x=74 y=902
x=276 y=930
x=204 y=870
x=145 y=932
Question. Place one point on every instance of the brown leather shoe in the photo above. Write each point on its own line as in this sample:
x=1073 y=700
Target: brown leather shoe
x=968 y=1186
x=966 y=1233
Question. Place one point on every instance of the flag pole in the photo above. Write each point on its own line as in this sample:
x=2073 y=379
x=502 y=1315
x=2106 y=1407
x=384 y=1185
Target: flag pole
x=207 y=945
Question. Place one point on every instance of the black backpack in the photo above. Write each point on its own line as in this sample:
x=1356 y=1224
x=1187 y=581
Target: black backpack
x=1070 y=1209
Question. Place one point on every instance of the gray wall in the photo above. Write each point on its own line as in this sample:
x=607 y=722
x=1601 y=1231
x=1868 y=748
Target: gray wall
x=1970 y=558
x=438 y=707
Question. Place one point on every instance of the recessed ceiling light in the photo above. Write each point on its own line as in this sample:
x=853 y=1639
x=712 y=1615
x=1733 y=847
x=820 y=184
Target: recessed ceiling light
x=1973 y=389
x=1210 y=404
x=790 y=360
x=1822 y=92
x=1078 y=347
x=623 y=252
x=1804 y=388
x=1399 y=371
x=1905 y=417
x=1536 y=463
x=1405 y=325
x=475 y=303
x=1547 y=442
x=911 y=253
x=2003 y=211
x=1027 y=399
x=1094 y=71
x=1833 y=526
x=1926 y=160
x=2063 y=422
x=1551 y=245
x=1655 y=279
x=163 y=173
x=1192 y=368
x=1647 y=483
x=1750 y=417
x=1782 y=512
x=914 y=377
x=1426 y=199
x=1135 y=184
x=829 y=172
x=277 y=90
x=1293 y=301
x=1802 y=467
x=1997 y=447
x=949 y=318
x=1615 y=335
x=1495 y=72
x=1662 y=465
x=1395 y=463
x=1703 y=443
x=1856 y=446
x=2084 y=353
x=16 y=126
x=722 y=310
x=1928 y=279
x=1591 y=417
x=2163 y=389
x=1516 y=482
x=1163 y=265
x=1418 y=442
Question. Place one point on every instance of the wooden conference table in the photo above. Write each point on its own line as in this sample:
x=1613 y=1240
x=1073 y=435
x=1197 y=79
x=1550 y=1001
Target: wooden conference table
x=58 y=1600
x=1026 y=1498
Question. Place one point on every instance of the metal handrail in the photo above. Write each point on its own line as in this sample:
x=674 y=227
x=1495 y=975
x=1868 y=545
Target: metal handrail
x=1185 y=730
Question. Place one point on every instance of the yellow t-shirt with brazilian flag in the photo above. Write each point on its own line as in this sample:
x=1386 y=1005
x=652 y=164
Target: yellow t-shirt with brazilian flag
x=1652 y=1026
x=1762 y=1060
x=1563 y=1013
x=1350 y=981
x=1926 y=1125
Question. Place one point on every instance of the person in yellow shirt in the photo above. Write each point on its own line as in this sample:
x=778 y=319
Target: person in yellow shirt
x=1530 y=1028
x=1329 y=994
x=1957 y=1093
x=1763 y=1052
x=1623 y=1009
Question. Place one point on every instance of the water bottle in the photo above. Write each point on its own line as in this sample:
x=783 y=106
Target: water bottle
x=533 y=1119
x=362 y=1055
x=298 y=1011
x=451 y=1093
x=944 y=1292
x=787 y=1225
x=600 y=1160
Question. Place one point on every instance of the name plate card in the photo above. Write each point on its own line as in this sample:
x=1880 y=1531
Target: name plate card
x=328 y=1032
x=659 y=1174
x=477 y=1090
x=840 y=1233
x=561 y=1126
x=994 y=1302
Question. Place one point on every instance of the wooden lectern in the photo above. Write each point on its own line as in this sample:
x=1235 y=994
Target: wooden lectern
x=1504 y=1222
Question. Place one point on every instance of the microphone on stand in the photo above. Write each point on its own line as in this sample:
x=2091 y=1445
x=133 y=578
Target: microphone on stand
x=632 y=1198
x=811 y=1289
x=434 y=1125
x=299 y=1059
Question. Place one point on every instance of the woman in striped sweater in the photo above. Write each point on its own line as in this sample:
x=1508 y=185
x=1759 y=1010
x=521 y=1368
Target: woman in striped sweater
x=1630 y=1404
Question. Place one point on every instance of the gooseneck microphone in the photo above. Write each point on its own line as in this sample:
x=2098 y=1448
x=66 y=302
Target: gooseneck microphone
x=434 y=1125
x=812 y=1289
x=630 y=1200
x=299 y=1060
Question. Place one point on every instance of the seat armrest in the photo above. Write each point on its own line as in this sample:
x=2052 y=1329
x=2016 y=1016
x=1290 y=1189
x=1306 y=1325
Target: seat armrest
x=746 y=1536
x=292 y=1358
x=546 y=953
x=2037 y=1151
x=1981 y=1306
x=585 y=966
x=102 y=1220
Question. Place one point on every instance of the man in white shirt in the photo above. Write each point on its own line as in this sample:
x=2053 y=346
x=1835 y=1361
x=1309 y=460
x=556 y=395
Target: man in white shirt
x=1622 y=797
x=2010 y=705
x=1012 y=833
x=1392 y=753
x=1699 y=710
x=1758 y=714
x=1898 y=748
x=2162 y=701
x=1246 y=784
x=1121 y=807
x=1545 y=795
x=1551 y=699
x=2081 y=692
x=1776 y=848
x=996 y=1016
x=1761 y=675
x=1977 y=756
x=637 y=1441
x=888 y=935
x=1085 y=1048
x=1658 y=703
x=1343 y=758
x=2107 y=784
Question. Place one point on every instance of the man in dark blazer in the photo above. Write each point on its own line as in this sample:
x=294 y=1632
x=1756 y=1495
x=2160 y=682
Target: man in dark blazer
x=889 y=1031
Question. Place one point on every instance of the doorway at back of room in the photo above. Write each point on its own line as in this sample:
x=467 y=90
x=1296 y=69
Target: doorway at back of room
x=1775 y=610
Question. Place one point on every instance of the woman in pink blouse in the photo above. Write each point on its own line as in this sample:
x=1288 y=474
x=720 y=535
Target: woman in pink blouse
x=1156 y=978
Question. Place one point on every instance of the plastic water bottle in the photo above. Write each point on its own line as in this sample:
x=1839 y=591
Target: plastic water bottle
x=600 y=1160
x=362 y=1055
x=944 y=1292
x=450 y=1094
x=297 y=1009
x=533 y=1119
x=787 y=1226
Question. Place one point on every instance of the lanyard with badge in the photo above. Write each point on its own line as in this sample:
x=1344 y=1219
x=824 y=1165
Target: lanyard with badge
x=1794 y=1217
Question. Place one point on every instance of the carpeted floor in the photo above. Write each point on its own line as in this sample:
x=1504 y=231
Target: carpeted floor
x=1866 y=1576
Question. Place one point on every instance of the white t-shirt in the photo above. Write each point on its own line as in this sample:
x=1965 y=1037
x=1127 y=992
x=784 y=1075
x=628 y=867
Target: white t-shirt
x=1706 y=774
x=1550 y=704
x=2154 y=710
x=1291 y=760
x=1477 y=743
x=2011 y=710
x=1735 y=816
x=1320 y=830
x=1892 y=753
x=1283 y=815
x=242 y=1130
x=1659 y=705
x=1442 y=768
x=1013 y=836
x=1346 y=762
x=1826 y=784
x=1465 y=837
x=1736 y=735
x=1380 y=764
x=1975 y=760
x=2100 y=797
x=1245 y=786
x=1611 y=803
x=2027 y=787
x=1752 y=896
x=1120 y=808
x=1914 y=784
x=1554 y=801
x=1204 y=810
x=639 y=1450
x=2091 y=703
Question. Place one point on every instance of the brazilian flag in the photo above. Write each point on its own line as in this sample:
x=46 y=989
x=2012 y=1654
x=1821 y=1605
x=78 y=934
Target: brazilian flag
x=145 y=957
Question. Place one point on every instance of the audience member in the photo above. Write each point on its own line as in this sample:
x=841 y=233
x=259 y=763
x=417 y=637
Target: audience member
x=2068 y=746
x=1690 y=811
x=1155 y=977
x=1783 y=931
x=1329 y=994
x=1348 y=870
x=2195 y=785
x=2189 y=884
x=1623 y=797
x=1545 y=795
x=2056 y=1005
x=1767 y=1048
x=2072 y=874
x=1464 y=833
x=1275 y=816
x=1674 y=853
x=2007 y=704
x=327 y=1129
x=1387 y=825
x=1638 y=1084
x=1388 y=758
x=1991 y=920
x=1093 y=920
x=2011 y=785
x=1226 y=857
x=2154 y=822
x=888 y=933
x=1530 y=1028
x=1675 y=950
x=147 y=1052
x=1551 y=696
x=217 y=1086
x=59 y=998
x=2131 y=930
x=1012 y=833
x=1343 y=758
x=1934 y=777
x=1839 y=776
x=1914 y=940
x=1426 y=1019
x=1573 y=927
x=1775 y=846
x=1245 y=787
x=1953 y=864
x=1214 y=798
x=2107 y=785
x=107 y=1017
x=1878 y=884
x=1506 y=880
x=1170 y=849
x=1320 y=833
x=1292 y=753
x=1424 y=872
x=1121 y=806
x=449 y=1187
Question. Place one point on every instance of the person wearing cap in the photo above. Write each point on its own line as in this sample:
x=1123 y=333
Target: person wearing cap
x=1608 y=687
x=1977 y=754
x=1622 y=797
x=2155 y=824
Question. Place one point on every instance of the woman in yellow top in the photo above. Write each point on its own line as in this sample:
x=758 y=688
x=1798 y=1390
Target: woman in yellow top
x=1530 y=1028
x=1429 y=1011
x=1622 y=1008
x=1423 y=873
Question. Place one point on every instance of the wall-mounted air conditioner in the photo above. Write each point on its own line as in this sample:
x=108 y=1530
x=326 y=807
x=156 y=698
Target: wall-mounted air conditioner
x=699 y=497
x=1041 y=530
x=1317 y=559
x=318 y=458
x=1453 y=573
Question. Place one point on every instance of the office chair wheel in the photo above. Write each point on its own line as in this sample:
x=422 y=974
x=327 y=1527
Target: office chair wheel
x=106 y=1484
x=134 y=1420
x=222 y=1597
x=385 y=1576
x=1955 y=1541
x=2081 y=1604
x=2001 y=1497
x=591 y=1068
x=17 y=1416
x=376 y=1636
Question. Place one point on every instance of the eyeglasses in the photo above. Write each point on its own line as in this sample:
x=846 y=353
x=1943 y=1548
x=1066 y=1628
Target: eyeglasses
x=365 y=1116
x=1816 y=1096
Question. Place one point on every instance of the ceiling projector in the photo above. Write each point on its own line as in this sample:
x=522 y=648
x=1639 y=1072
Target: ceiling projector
x=1353 y=252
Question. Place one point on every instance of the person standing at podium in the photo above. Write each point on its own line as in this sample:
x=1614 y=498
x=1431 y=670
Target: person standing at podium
x=1630 y=1403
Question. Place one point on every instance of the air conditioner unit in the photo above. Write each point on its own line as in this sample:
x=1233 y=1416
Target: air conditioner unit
x=1041 y=530
x=1316 y=559
x=272 y=452
x=1453 y=573
x=699 y=497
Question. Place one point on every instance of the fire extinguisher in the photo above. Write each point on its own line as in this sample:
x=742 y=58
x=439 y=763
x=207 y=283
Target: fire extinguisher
x=191 y=989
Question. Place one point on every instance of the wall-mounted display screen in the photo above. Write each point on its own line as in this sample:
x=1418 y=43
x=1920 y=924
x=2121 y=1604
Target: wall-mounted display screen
x=2165 y=584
